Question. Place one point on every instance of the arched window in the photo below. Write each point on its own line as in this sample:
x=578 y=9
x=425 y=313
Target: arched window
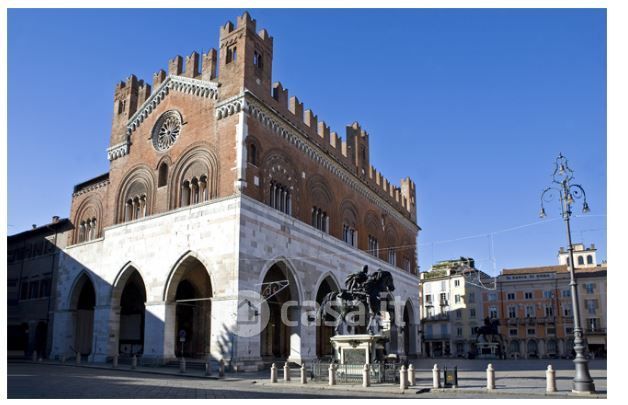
x=589 y=259
x=580 y=260
x=320 y=220
x=280 y=198
x=252 y=154
x=128 y=210
x=163 y=175
x=185 y=193
x=82 y=231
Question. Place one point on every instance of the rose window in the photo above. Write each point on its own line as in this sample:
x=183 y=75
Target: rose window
x=167 y=130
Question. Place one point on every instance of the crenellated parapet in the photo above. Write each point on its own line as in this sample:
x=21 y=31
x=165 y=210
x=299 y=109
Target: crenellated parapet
x=277 y=124
x=353 y=153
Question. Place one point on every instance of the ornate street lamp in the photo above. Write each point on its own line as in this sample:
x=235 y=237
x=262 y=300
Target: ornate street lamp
x=568 y=193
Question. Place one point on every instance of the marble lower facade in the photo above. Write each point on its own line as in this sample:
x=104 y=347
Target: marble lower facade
x=185 y=283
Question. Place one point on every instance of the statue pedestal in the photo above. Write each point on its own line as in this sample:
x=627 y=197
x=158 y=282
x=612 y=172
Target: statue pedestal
x=488 y=350
x=357 y=349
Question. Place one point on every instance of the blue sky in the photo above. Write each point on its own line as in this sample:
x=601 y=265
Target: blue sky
x=474 y=105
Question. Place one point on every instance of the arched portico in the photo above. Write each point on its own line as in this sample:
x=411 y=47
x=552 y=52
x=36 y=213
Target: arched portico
x=409 y=330
x=128 y=301
x=280 y=339
x=188 y=295
x=82 y=304
x=323 y=331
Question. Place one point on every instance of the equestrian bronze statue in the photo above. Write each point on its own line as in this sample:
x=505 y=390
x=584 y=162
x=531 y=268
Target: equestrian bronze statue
x=357 y=308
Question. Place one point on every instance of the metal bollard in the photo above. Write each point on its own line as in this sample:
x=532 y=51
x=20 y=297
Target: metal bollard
x=134 y=362
x=221 y=368
x=303 y=374
x=286 y=372
x=435 y=377
x=366 y=377
x=34 y=356
x=403 y=378
x=411 y=375
x=78 y=358
x=114 y=362
x=182 y=365
x=332 y=374
x=550 y=375
x=490 y=377
x=273 y=373
x=208 y=366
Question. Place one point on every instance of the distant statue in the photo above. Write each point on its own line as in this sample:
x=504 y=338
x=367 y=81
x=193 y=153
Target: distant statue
x=489 y=329
x=363 y=292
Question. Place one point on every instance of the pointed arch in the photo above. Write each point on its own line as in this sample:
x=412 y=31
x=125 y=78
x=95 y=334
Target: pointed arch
x=290 y=271
x=121 y=278
x=328 y=276
x=79 y=281
x=189 y=292
x=279 y=339
x=174 y=276
x=326 y=284
x=410 y=329
x=83 y=300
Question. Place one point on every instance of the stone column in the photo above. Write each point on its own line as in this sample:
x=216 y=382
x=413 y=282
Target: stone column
x=102 y=345
x=159 y=333
x=202 y=187
x=143 y=206
x=63 y=333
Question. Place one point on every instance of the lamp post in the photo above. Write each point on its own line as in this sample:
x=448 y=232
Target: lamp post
x=567 y=193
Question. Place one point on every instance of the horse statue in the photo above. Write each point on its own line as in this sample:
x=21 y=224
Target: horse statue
x=489 y=329
x=363 y=292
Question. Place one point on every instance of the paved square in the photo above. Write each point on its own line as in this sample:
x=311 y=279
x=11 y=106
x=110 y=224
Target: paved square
x=516 y=379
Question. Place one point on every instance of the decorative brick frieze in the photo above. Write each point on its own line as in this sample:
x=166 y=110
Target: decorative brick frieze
x=196 y=87
x=117 y=151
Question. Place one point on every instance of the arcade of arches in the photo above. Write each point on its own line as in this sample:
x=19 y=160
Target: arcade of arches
x=186 y=325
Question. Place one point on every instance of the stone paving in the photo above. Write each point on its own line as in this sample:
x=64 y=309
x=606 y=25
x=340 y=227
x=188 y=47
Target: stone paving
x=516 y=379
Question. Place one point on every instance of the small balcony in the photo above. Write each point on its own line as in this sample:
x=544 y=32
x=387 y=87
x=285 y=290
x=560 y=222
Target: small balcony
x=443 y=316
x=595 y=331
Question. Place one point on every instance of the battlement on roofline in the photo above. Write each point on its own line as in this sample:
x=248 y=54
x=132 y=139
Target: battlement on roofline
x=352 y=152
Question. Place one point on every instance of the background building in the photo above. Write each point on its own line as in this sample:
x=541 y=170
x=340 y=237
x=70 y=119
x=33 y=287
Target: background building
x=451 y=307
x=32 y=259
x=535 y=308
x=221 y=184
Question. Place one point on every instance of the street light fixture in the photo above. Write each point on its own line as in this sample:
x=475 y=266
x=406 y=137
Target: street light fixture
x=582 y=382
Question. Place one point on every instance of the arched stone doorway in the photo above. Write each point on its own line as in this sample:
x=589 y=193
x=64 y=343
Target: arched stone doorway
x=190 y=290
x=324 y=332
x=278 y=338
x=82 y=304
x=130 y=295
